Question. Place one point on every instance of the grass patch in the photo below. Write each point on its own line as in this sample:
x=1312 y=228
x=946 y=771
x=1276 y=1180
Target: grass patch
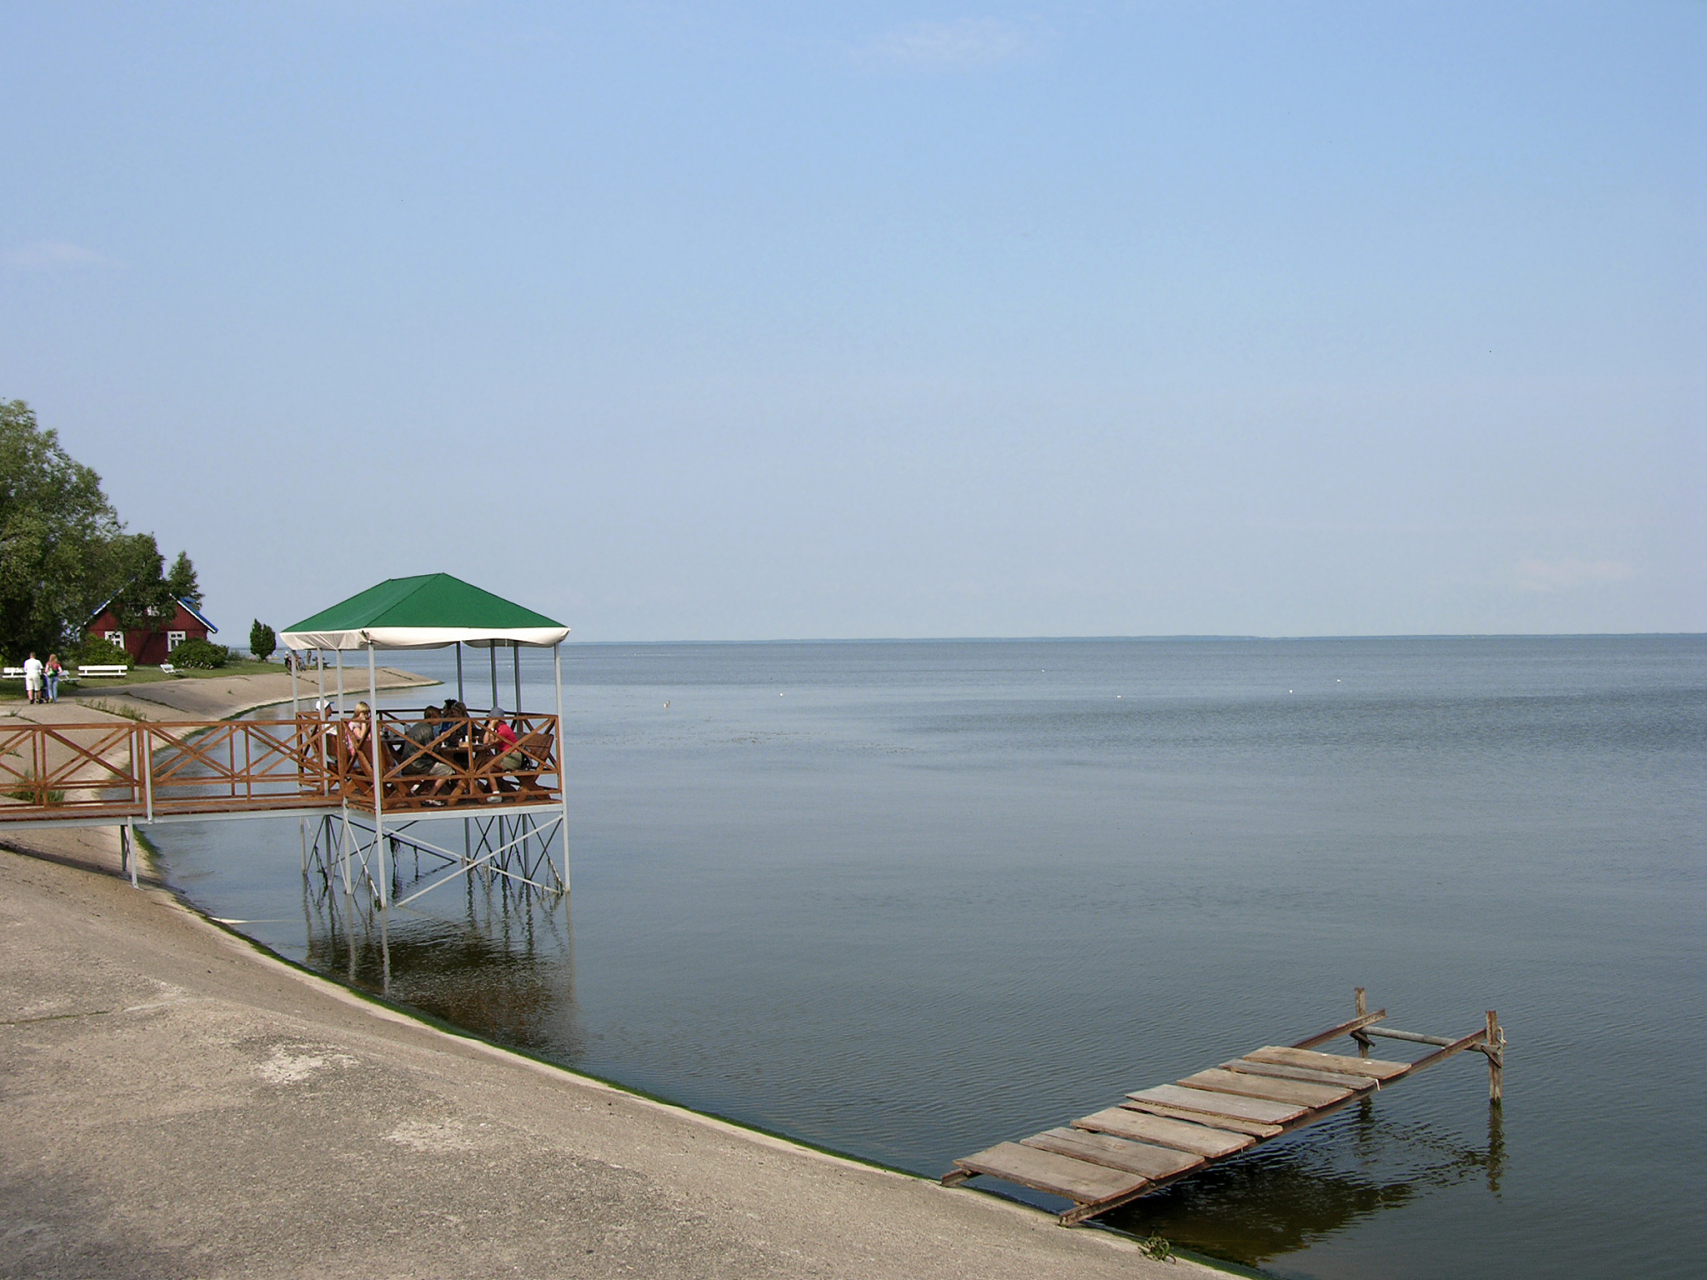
x=1157 y=1247
x=30 y=791
x=153 y=675
x=112 y=708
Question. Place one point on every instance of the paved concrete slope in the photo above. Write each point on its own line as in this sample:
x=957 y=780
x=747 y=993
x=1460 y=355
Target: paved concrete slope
x=176 y=1103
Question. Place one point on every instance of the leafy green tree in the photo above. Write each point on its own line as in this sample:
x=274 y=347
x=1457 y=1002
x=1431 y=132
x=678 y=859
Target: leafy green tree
x=262 y=641
x=181 y=580
x=143 y=599
x=56 y=531
x=63 y=550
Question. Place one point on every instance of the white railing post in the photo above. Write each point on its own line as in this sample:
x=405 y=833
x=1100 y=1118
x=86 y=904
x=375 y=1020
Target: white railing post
x=142 y=732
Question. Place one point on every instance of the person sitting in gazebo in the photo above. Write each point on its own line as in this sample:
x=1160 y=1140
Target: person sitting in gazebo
x=425 y=739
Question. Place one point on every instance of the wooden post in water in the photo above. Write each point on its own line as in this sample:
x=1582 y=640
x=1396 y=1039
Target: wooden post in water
x=1362 y=1037
x=1496 y=1059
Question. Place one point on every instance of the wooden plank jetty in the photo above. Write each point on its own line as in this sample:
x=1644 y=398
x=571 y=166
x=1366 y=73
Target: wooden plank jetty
x=1170 y=1131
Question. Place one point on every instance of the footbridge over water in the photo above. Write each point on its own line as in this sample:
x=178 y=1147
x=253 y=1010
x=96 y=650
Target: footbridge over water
x=371 y=784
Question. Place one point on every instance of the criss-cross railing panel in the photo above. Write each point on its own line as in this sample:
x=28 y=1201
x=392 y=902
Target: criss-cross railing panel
x=164 y=767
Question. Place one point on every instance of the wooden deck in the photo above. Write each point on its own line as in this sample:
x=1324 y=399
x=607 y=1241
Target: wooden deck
x=1169 y=1131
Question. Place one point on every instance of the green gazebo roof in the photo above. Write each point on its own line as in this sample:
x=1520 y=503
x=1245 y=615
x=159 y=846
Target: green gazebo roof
x=425 y=612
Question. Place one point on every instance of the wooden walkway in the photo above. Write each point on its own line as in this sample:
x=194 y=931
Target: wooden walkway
x=1170 y=1131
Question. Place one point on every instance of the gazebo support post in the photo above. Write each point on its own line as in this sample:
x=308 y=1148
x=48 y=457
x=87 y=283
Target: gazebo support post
x=516 y=666
x=340 y=654
x=562 y=764
x=492 y=656
x=459 y=693
x=382 y=873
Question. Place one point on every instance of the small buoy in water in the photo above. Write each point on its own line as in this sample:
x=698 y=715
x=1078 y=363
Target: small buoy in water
x=666 y=706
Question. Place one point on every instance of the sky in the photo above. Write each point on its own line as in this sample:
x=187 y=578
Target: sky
x=772 y=320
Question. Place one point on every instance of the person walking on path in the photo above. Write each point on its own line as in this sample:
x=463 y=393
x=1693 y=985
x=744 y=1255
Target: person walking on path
x=51 y=676
x=32 y=679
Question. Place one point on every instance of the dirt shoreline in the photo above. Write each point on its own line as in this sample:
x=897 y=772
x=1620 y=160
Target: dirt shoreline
x=180 y=1102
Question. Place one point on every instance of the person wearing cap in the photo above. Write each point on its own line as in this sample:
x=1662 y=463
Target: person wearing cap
x=501 y=735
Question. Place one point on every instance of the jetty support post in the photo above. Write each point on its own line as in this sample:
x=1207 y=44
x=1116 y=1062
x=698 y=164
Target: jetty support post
x=127 y=841
x=1495 y=1051
x=1360 y=1035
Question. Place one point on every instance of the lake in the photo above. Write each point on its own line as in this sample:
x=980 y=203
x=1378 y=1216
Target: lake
x=908 y=899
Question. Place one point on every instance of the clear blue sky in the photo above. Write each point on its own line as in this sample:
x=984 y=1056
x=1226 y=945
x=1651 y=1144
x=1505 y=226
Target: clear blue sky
x=775 y=320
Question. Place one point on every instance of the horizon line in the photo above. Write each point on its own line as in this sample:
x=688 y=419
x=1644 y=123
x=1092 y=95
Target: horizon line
x=1187 y=636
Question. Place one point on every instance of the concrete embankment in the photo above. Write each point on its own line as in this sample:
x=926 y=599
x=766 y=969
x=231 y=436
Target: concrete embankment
x=214 y=697
x=179 y=1103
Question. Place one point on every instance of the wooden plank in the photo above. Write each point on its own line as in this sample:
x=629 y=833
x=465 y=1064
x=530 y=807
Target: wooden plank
x=1220 y=1104
x=1183 y=1136
x=1059 y=1175
x=1295 y=1091
x=1117 y=1153
x=1328 y=1062
x=1250 y=1127
x=1358 y=1083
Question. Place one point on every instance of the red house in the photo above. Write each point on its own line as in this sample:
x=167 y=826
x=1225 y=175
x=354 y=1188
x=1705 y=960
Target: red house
x=153 y=646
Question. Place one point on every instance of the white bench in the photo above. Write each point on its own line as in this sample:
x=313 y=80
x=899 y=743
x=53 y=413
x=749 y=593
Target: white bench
x=168 y=669
x=117 y=669
x=11 y=673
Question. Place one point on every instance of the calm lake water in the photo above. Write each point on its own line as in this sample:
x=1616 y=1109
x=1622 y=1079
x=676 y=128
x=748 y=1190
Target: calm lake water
x=906 y=900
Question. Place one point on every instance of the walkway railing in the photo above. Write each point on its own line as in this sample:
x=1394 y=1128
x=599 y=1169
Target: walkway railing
x=145 y=770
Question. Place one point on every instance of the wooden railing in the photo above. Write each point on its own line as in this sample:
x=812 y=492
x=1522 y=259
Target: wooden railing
x=142 y=770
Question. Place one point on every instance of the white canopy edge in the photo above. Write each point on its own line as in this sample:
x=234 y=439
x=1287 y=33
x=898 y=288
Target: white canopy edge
x=422 y=637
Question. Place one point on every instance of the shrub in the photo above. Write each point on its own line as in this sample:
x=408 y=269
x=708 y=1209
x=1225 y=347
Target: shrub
x=97 y=651
x=200 y=654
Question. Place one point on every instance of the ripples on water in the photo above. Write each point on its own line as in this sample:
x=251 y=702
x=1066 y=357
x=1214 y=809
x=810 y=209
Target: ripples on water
x=908 y=899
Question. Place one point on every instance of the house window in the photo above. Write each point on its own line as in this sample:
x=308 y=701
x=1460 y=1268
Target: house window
x=174 y=639
x=117 y=637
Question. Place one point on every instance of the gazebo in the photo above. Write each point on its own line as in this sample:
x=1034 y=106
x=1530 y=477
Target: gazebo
x=500 y=770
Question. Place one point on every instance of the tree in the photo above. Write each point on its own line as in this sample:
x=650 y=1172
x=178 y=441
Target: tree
x=262 y=641
x=181 y=580
x=56 y=531
x=63 y=550
x=142 y=598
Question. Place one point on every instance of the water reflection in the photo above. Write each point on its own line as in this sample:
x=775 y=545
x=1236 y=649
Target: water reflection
x=1282 y=1198
x=502 y=966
